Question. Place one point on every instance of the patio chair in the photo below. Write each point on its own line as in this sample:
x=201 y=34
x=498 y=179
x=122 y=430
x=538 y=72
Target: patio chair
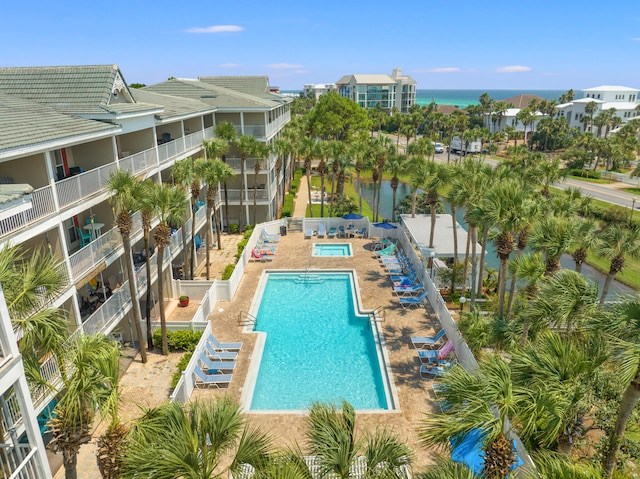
x=408 y=290
x=308 y=233
x=203 y=380
x=341 y=232
x=413 y=300
x=428 y=342
x=85 y=238
x=216 y=355
x=257 y=256
x=332 y=232
x=388 y=251
x=322 y=230
x=215 y=366
x=434 y=371
x=361 y=234
x=269 y=238
x=409 y=278
x=436 y=355
x=224 y=346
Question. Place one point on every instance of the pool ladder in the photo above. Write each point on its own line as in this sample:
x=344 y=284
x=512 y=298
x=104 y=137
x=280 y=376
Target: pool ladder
x=378 y=315
x=246 y=319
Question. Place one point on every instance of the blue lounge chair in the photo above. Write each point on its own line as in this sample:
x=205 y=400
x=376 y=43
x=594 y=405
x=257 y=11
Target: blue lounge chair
x=433 y=371
x=203 y=380
x=362 y=233
x=413 y=301
x=404 y=291
x=388 y=251
x=332 y=232
x=341 y=232
x=436 y=355
x=216 y=355
x=400 y=279
x=224 y=346
x=215 y=367
x=308 y=233
x=322 y=230
x=428 y=342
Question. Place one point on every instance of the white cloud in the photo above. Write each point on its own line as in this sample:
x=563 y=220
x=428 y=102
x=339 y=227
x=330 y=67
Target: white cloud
x=229 y=65
x=444 y=70
x=284 y=66
x=636 y=39
x=215 y=29
x=513 y=69
x=302 y=72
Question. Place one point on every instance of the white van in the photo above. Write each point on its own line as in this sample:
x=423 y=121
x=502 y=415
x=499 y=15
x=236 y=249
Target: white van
x=439 y=148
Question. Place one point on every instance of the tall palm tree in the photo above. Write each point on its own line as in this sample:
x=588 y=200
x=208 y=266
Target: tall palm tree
x=622 y=324
x=358 y=151
x=126 y=190
x=216 y=148
x=171 y=206
x=87 y=385
x=396 y=165
x=447 y=469
x=331 y=437
x=553 y=236
x=383 y=149
x=309 y=150
x=584 y=240
x=323 y=150
x=146 y=215
x=505 y=206
x=419 y=174
x=616 y=243
x=284 y=149
x=261 y=152
x=213 y=172
x=438 y=177
x=185 y=175
x=483 y=400
x=226 y=132
x=248 y=147
x=589 y=109
x=558 y=466
x=199 y=440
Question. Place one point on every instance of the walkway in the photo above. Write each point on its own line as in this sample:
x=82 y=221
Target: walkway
x=302 y=199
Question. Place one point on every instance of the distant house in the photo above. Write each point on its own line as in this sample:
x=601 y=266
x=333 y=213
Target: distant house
x=496 y=122
x=315 y=91
x=369 y=90
x=449 y=109
x=623 y=99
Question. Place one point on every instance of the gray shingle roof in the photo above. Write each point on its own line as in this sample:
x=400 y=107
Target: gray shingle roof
x=25 y=123
x=253 y=85
x=173 y=105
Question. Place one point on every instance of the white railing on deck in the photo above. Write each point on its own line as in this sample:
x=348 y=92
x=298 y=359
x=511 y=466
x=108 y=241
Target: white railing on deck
x=116 y=306
x=42 y=205
x=28 y=468
x=75 y=188
x=140 y=162
x=10 y=409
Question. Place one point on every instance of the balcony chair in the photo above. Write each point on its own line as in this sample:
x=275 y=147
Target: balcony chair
x=85 y=238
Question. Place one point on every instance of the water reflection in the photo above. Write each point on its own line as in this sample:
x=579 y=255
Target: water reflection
x=491 y=260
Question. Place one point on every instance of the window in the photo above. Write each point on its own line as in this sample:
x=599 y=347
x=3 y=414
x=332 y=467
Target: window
x=58 y=162
x=71 y=230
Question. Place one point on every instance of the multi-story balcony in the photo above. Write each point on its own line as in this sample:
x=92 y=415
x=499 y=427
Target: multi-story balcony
x=249 y=164
x=58 y=196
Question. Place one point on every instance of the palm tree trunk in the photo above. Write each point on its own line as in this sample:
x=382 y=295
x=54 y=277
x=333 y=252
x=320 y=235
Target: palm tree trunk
x=308 y=173
x=333 y=189
x=186 y=244
x=502 y=282
x=216 y=222
x=163 y=318
x=512 y=287
x=191 y=255
x=208 y=240
x=473 y=230
x=455 y=248
x=255 y=201
x=147 y=306
x=628 y=402
x=241 y=225
x=605 y=288
x=137 y=317
x=70 y=462
x=393 y=211
x=414 y=197
x=466 y=265
x=322 y=189
x=359 y=192
x=483 y=253
x=432 y=207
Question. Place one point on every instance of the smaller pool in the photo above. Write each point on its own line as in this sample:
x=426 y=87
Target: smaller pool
x=332 y=249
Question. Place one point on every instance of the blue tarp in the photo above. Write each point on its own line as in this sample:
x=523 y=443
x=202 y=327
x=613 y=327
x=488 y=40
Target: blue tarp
x=385 y=226
x=352 y=216
x=469 y=451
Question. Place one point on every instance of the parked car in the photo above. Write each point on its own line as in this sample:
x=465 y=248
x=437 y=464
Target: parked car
x=439 y=147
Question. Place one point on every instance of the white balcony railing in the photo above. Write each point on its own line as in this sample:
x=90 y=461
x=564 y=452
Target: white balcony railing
x=115 y=307
x=234 y=195
x=10 y=409
x=76 y=189
x=249 y=164
x=25 y=465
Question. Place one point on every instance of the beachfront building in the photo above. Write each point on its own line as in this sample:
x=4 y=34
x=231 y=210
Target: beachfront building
x=369 y=90
x=497 y=121
x=623 y=100
x=311 y=90
x=64 y=130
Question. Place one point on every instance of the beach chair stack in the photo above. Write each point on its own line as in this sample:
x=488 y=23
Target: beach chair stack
x=407 y=286
x=216 y=363
x=265 y=248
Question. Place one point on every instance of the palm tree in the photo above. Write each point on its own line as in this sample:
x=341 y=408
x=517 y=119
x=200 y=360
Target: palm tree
x=308 y=149
x=438 y=178
x=249 y=147
x=199 y=440
x=558 y=466
x=226 y=132
x=505 y=206
x=616 y=243
x=623 y=326
x=526 y=116
x=171 y=206
x=589 y=109
x=419 y=174
x=323 y=150
x=383 y=149
x=331 y=437
x=483 y=400
x=284 y=149
x=553 y=236
x=261 y=151
x=126 y=191
x=447 y=469
x=584 y=240
x=146 y=215
x=185 y=175
x=86 y=376
x=358 y=151
x=396 y=165
x=216 y=148
x=213 y=172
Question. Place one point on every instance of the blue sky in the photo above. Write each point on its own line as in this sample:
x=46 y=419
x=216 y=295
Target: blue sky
x=475 y=44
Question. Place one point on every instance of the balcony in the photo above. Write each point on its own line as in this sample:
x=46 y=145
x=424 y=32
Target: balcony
x=249 y=164
x=23 y=463
x=77 y=189
x=234 y=195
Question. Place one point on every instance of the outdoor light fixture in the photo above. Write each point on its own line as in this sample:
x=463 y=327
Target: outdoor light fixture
x=432 y=255
x=462 y=301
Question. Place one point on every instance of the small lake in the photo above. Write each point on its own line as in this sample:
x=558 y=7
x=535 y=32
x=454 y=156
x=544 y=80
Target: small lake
x=491 y=259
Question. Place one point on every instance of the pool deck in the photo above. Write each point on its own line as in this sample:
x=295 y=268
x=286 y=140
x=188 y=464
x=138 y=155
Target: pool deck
x=415 y=394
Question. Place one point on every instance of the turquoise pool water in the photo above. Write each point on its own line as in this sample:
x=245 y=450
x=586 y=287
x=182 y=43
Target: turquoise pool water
x=332 y=249
x=317 y=348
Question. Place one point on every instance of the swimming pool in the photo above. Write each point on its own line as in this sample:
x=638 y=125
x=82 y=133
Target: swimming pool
x=314 y=346
x=332 y=249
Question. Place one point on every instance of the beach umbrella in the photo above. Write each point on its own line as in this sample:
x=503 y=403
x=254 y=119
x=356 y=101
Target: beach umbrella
x=385 y=226
x=352 y=216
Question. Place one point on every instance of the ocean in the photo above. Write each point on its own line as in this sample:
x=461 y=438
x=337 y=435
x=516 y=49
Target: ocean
x=463 y=98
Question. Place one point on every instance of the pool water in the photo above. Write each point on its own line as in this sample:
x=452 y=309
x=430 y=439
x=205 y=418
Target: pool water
x=317 y=348
x=332 y=249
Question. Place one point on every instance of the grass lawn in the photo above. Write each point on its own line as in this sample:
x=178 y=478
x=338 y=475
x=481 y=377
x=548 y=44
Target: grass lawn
x=633 y=191
x=590 y=180
x=349 y=190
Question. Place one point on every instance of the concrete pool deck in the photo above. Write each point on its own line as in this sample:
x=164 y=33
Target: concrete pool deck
x=415 y=394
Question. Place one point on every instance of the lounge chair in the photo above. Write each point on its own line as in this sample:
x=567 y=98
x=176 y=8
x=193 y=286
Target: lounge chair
x=413 y=300
x=216 y=355
x=341 y=232
x=332 y=232
x=215 y=366
x=265 y=248
x=404 y=291
x=427 y=342
x=224 y=346
x=203 y=380
x=362 y=233
x=433 y=371
x=259 y=256
x=388 y=251
x=436 y=355
x=403 y=279
x=308 y=233
x=269 y=238
x=322 y=230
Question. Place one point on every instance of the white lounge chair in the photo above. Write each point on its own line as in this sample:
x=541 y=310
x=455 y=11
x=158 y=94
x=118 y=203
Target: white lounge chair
x=203 y=380
x=322 y=230
x=308 y=233
x=427 y=342
x=216 y=355
x=224 y=346
x=217 y=366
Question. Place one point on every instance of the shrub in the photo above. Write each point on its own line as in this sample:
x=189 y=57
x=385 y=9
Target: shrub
x=475 y=329
x=182 y=365
x=234 y=228
x=228 y=271
x=182 y=340
x=595 y=175
x=287 y=207
x=241 y=245
x=248 y=231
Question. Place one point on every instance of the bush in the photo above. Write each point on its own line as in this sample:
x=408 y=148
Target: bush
x=241 y=246
x=248 y=231
x=475 y=329
x=234 y=228
x=182 y=340
x=182 y=365
x=228 y=271
x=595 y=175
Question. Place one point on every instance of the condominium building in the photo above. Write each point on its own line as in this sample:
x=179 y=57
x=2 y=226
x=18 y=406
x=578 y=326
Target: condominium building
x=370 y=90
x=623 y=99
x=63 y=132
x=316 y=91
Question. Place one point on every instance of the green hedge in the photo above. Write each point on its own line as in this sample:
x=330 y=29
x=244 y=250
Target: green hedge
x=228 y=271
x=182 y=340
x=595 y=175
x=182 y=365
x=287 y=207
